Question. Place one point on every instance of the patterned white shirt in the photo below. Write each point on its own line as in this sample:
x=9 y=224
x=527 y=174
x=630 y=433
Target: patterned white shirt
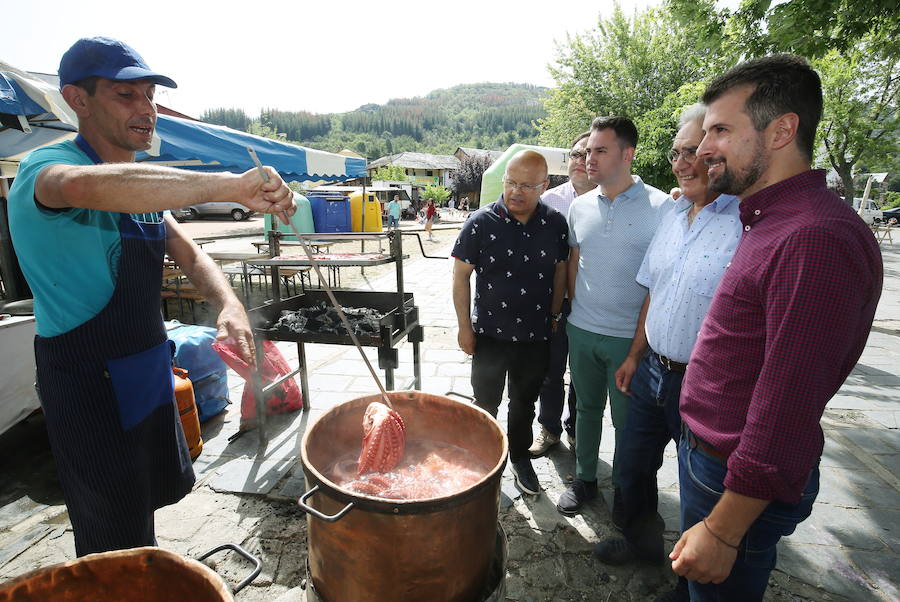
x=682 y=269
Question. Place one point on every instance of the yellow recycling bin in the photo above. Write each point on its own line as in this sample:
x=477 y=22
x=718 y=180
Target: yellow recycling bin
x=372 y=213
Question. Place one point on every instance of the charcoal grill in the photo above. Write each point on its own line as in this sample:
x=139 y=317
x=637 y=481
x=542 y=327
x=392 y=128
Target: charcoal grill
x=399 y=321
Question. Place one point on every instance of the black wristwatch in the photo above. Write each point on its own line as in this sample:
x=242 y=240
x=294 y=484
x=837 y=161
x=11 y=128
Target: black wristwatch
x=556 y=317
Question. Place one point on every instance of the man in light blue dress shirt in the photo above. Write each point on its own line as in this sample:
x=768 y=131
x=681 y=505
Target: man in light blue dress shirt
x=681 y=270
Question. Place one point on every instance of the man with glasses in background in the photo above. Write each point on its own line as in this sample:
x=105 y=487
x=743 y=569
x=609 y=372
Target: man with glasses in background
x=610 y=229
x=518 y=248
x=681 y=270
x=553 y=391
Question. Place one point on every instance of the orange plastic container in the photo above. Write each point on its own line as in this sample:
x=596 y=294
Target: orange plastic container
x=187 y=408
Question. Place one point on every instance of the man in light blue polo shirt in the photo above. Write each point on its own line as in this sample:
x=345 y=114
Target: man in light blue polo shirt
x=609 y=231
x=681 y=270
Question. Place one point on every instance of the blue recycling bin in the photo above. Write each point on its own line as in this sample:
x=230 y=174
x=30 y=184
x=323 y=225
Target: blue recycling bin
x=331 y=212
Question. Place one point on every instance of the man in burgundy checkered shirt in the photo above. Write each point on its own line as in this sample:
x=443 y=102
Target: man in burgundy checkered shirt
x=787 y=324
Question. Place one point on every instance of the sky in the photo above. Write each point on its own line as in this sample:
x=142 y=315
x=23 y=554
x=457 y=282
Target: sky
x=321 y=56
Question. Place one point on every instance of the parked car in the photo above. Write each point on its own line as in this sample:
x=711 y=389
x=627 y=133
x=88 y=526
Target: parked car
x=891 y=214
x=181 y=214
x=870 y=213
x=237 y=211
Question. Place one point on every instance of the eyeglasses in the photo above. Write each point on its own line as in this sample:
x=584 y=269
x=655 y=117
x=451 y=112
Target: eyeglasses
x=577 y=156
x=525 y=187
x=688 y=153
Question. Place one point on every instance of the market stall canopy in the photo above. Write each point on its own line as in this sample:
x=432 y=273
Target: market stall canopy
x=206 y=147
x=33 y=113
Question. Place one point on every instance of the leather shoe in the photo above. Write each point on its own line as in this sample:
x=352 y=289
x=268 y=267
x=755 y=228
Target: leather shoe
x=573 y=498
x=616 y=551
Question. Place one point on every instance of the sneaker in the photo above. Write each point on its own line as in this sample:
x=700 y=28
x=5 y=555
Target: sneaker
x=543 y=442
x=570 y=439
x=526 y=479
x=575 y=496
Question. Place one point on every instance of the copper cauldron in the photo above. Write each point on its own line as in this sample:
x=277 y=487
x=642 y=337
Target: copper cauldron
x=365 y=548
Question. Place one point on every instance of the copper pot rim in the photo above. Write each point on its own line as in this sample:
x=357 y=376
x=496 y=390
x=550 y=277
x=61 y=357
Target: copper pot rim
x=401 y=506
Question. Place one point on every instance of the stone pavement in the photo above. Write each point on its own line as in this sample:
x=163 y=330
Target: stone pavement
x=847 y=550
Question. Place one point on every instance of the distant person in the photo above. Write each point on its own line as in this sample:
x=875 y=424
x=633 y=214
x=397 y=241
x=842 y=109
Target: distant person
x=553 y=391
x=610 y=229
x=393 y=211
x=90 y=235
x=430 y=211
x=787 y=324
x=517 y=248
x=682 y=267
x=675 y=193
x=451 y=206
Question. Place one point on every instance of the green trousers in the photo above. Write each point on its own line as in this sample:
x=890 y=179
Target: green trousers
x=593 y=361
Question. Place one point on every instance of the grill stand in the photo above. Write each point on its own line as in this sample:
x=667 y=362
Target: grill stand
x=401 y=318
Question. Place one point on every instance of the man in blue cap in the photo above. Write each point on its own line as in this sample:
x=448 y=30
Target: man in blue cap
x=90 y=235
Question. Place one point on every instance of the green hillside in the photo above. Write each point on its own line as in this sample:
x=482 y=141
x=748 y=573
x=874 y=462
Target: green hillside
x=485 y=115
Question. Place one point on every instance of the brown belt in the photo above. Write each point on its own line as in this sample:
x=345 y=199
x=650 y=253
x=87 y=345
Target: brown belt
x=707 y=449
x=670 y=365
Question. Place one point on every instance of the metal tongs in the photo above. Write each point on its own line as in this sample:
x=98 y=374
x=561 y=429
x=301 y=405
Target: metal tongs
x=324 y=283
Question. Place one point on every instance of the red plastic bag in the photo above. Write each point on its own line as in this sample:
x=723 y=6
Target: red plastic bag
x=285 y=398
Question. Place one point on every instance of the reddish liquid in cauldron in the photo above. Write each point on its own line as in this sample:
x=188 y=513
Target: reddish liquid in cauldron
x=427 y=470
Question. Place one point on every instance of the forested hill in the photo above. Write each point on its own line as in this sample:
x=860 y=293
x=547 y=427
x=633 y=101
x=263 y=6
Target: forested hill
x=490 y=116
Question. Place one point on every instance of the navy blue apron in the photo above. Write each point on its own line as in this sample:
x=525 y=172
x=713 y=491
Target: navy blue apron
x=107 y=393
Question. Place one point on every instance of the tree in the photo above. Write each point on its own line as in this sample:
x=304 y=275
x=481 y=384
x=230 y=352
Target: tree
x=807 y=27
x=234 y=118
x=468 y=177
x=394 y=173
x=437 y=193
x=859 y=118
x=634 y=67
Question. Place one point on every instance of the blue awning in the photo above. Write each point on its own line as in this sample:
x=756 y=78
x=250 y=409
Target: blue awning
x=14 y=100
x=205 y=147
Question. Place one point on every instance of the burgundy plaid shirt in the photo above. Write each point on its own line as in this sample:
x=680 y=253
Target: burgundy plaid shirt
x=787 y=324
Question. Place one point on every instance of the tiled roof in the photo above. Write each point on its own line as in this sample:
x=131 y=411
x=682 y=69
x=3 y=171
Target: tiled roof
x=411 y=160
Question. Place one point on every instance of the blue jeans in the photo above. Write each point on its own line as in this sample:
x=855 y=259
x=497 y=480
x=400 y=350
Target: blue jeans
x=700 y=478
x=553 y=391
x=653 y=421
x=393 y=222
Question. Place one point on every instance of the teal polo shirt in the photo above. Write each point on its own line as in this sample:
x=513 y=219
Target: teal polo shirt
x=69 y=258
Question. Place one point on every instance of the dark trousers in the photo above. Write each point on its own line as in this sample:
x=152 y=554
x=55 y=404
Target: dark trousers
x=653 y=421
x=524 y=365
x=700 y=479
x=553 y=390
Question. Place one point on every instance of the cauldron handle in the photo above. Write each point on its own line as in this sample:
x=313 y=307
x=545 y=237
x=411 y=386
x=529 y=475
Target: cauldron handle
x=310 y=510
x=257 y=563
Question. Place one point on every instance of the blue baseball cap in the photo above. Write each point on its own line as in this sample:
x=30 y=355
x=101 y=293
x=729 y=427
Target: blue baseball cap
x=107 y=58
